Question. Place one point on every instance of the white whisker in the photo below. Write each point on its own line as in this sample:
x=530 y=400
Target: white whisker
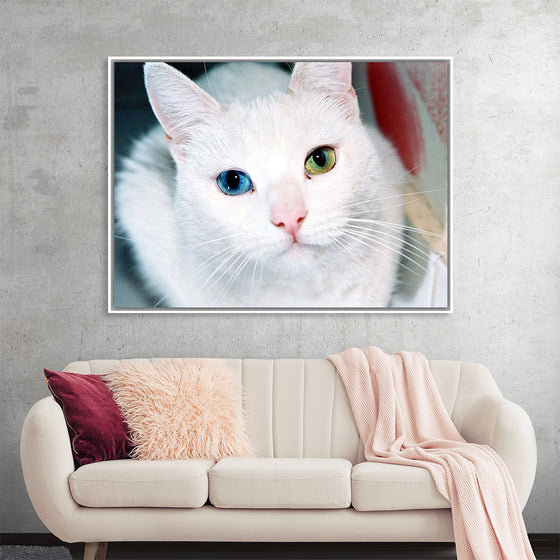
x=215 y=240
x=210 y=259
x=379 y=199
x=208 y=81
x=378 y=246
x=419 y=251
x=261 y=272
x=387 y=244
x=395 y=245
x=233 y=263
x=345 y=248
x=234 y=255
x=233 y=276
x=257 y=262
x=398 y=226
x=402 y=204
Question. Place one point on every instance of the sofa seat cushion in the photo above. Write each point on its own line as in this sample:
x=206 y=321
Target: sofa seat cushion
x=382 y=487
x=136 y=483
x=280 y=483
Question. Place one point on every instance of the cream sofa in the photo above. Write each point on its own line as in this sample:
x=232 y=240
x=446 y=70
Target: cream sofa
x=308 y=482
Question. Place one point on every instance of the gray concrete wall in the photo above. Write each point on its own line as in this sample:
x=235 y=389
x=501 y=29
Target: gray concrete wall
x=53 y=169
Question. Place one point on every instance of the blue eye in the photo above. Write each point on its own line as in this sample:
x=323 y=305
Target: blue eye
x=234 y=182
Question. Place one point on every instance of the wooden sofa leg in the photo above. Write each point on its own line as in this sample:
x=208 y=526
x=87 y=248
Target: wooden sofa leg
x=95 y=551
x=90 y=551
x=102 y=551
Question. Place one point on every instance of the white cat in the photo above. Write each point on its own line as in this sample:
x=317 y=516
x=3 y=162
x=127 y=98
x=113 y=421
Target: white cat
x=267 y=191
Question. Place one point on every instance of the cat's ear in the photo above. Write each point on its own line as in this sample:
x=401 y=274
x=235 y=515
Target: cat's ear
x=331 y=79
x=178 y=103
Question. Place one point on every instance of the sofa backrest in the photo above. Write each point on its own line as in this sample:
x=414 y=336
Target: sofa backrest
x=299 y=407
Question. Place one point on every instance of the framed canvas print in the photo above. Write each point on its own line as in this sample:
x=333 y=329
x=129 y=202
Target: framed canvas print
x=263 y=185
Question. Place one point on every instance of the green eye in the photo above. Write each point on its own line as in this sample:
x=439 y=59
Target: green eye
x=320 y=160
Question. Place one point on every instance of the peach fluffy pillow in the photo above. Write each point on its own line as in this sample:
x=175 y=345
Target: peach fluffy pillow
x=181 y=409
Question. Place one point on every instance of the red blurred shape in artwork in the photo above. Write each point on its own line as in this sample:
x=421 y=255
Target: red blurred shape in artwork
x=396 y=112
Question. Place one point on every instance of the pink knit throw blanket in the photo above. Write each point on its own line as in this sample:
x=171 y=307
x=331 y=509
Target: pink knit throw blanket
x=401 y=420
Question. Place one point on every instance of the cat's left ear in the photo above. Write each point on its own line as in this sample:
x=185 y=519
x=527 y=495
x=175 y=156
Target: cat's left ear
x=331 y=79
x=178 y=103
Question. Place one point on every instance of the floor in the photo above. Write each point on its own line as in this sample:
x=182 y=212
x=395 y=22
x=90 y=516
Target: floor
x=545 y=546
x=545 y=549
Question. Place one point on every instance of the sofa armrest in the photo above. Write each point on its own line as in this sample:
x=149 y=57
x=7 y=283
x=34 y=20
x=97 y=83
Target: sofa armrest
x=506 y=427
x=47 y=461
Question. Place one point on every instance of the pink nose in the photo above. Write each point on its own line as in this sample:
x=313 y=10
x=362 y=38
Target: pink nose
x=290 y=220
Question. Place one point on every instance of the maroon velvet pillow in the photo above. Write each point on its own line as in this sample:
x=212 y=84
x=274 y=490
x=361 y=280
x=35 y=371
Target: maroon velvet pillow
x=97 y=429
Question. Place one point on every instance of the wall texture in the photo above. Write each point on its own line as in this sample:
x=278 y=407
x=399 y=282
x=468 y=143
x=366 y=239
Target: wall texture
x=53 y=169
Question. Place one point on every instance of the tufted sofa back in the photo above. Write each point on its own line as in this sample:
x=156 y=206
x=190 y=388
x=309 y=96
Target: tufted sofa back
x=299 y=407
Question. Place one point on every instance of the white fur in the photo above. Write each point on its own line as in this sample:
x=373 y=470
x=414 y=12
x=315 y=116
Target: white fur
x=197 y=247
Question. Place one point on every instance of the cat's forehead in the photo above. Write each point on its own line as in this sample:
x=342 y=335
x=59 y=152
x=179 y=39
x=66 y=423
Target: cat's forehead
x=270 y=137
x=283 y=120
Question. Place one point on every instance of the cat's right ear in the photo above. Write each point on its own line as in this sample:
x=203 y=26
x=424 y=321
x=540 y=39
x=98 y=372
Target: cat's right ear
x=331 y=79
x=178 y=103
